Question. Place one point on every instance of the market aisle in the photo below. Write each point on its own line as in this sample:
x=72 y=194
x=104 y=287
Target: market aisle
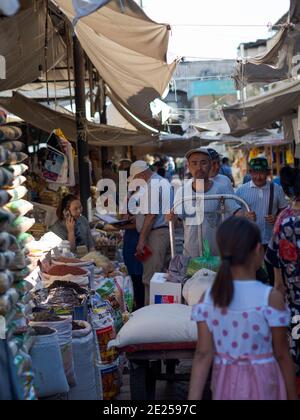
x=178 y=391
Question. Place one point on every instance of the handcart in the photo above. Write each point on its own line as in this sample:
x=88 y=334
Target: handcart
x=152 y=362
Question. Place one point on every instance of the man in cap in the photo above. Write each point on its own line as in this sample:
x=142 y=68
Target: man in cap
x=215 y=171
x=200 y=166
x=151 y=223
x=265 y=199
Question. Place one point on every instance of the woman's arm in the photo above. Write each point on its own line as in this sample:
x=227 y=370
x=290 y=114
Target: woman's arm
x=279 y=283
x=70 y=225
x=202 y=362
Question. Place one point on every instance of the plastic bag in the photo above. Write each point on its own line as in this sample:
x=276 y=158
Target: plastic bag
x=207 y=261
x=7 y=241
x=17 y=182
x=10 y=133
x=6 y=259
x=13 y=146
x=6 y=281
x=5 y=219
x=18 y=170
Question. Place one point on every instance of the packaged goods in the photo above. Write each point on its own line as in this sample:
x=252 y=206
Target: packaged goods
x=110 y=290
x=17 y=182
x=5 y=219
x=111 y=381
x=4 y=198
x=6 y=241
x=17 y=193
x=19 y=207
x=17 y=170
x=10 y=133
x=13 y=146
x=8 y=301
x=6 y=259
x=21 y=225
x=6 y=281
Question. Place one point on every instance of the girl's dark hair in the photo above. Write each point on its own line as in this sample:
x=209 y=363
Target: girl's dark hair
x=290 y=181
x=237 y=238
x=65 y=205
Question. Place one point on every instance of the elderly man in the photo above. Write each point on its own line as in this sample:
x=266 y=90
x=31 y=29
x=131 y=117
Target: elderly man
x=151 y=223
x=265 y=199
x=200 y=167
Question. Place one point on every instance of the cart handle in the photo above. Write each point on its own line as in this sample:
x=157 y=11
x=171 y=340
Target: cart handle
x=220 y=197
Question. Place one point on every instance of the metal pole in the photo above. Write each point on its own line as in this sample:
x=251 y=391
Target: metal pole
x=82 y=145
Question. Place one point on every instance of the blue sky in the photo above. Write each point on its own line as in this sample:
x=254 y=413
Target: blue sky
x=215 y=42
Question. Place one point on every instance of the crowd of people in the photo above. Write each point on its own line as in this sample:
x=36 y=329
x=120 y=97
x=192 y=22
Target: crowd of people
x=244 y=317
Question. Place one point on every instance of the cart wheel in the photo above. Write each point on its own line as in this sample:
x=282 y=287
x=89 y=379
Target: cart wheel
x=142 y=381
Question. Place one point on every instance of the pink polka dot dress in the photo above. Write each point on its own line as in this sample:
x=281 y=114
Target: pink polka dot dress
x=244 y=365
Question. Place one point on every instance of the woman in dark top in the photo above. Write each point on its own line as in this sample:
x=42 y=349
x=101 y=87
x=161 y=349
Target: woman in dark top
x=71 y=225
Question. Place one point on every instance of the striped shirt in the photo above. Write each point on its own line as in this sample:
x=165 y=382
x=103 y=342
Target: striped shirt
x=259 y=200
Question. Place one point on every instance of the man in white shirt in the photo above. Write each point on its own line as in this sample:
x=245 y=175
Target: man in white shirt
x=151 y=222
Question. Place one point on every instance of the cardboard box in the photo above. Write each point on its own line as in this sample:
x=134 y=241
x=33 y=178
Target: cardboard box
x=164 y=292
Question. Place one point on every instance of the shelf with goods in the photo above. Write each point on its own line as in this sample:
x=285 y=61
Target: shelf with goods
x=15 y=300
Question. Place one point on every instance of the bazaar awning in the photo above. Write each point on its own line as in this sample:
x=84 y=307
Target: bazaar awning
x=48 y=119
x=258 y=112
x=130 y=52
x=278 y=63
x=22 y=45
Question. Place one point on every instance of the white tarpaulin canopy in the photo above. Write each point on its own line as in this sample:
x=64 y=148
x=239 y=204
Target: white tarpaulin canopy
x=129 y=50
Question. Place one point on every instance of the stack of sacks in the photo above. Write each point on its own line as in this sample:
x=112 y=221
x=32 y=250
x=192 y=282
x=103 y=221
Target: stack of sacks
x=15 y=302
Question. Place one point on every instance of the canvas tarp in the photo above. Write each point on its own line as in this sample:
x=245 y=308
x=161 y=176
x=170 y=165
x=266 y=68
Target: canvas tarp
x=280 y=62
x=259 y=112
x=22 y=44
x=129 y=50
x=47 y=119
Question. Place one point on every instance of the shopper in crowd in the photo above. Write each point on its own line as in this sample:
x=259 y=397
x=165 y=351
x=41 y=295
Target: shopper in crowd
x=71 y=225
x=226 y=170
x=154 y=240
x=242 y=326
x=284 y=253
x=200 y=167
x=266 y=201
x=215 y=171
x=134 y=266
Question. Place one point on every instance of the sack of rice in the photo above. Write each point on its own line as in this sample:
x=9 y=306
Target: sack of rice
x=158 y=324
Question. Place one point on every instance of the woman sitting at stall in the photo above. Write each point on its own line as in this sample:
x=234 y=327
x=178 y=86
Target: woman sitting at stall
x=71 y=225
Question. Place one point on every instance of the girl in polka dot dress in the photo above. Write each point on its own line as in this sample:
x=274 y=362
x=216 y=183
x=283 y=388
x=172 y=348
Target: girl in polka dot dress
x=242 y=326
